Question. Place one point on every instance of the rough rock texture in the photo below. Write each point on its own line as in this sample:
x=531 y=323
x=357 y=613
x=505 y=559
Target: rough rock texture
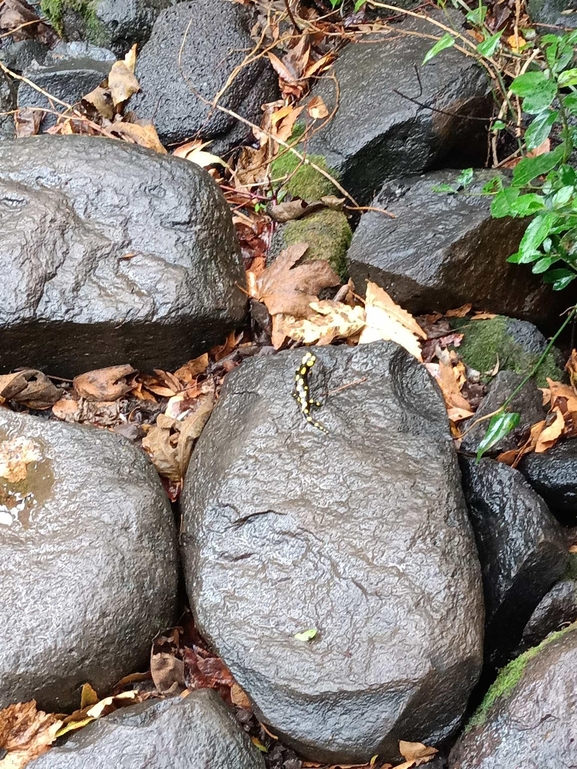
x=553 y=475
x=68 y=80
x=527 y=720
x=111 y=253
x=193 y=49
x=19 y=56
x=508 y=343
x=562 y=13
x=378 y=134
x=442 y=251
x=557 y=609
x=287 y=528
x=197 y=732
x=521 y=546
x=115 y=24
x=528 y=403
x=89 y=562
x=7 y=104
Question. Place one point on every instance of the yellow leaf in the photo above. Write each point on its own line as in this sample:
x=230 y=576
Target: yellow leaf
x=387 y=320
x=145 y=135
x=552 y=433
x=194 y=151
x=122 y=83
x=334 y=320
x=130 y=58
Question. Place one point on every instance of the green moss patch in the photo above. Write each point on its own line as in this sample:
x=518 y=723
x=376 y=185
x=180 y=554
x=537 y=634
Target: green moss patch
x=487 y=342
x=328 y=234
x=300 y=179
x=509 y=677
x=84 y=10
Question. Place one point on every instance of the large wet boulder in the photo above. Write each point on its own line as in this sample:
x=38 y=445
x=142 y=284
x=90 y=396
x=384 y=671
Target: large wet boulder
x=360 y=534
x=193 y=50
x=115 y=24
x=89 y=561
x=442 y=251
x=557 y=609
x=553 y=474
x=527 y=720
x=111 y=253
x=521 y=547
x=396 y=116
x=196 y=732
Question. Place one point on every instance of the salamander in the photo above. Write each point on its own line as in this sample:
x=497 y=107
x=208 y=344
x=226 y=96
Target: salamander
x=302 y=392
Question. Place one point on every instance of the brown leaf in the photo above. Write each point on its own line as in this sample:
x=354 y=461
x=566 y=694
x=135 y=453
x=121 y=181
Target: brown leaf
x=192 y=369
x=282 y=70
x=415 y=754
x=101 y=100
x=29 y=387
x=144 y=135
x=289 y=289
x=25 y=733
x=27 y=121
x=317 y=108
x=68 y=409
x=332 y=320
x=15 y=13
x=551 y=433
x=387 y=320
x=571 y=368
x=15 y=456
x=239 y=697
x=122 y=81
x=104 y=384
x=460 y=312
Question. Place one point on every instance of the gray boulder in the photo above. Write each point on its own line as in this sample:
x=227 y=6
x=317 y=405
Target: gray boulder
x=111 y=253
x=196 y=732
x=559 y=13
x=89 y=561
x=20 y=56
x=7 y=104
x=194 y=48
x=553 y=475
x=527 y=720
x=67 y=79
x=442 y=251
x=378 y=133
x=360 y=533
x=114 y=24
x=557 y=609
x=521 y=547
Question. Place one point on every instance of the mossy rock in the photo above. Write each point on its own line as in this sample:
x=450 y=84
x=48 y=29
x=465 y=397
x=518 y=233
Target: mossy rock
x=300 y=179
x=514 y=345
x=328 y=234
x=509 y=677
x=81 y=14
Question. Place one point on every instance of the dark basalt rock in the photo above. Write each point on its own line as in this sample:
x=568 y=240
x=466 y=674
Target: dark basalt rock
x=111 y=253
x=527 y=720
x=379 y=133
x=193 y=49
x=521 y=546
x=7 y=104
x=196 y=732
x=67 y=79
x=558 y=13
x=89 y=562
x=557 y=609
x=20 y=56
x=361 y=534
x=553 y=475
x=442 y=251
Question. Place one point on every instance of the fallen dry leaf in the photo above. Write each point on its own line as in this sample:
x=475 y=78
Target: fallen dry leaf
x=332 y=320
x=25 y=733
x=194 y=152
x=30 y=387
x=101 y=99
x=240 y=698
x=104 y=384
x=571 y=368
x=122 y=82
x=542 y=149
x=447 y=376
x=317 y=108
x=415 y=754
x=15 y=456
x=551 y=434
x=460 y=312
x=166 y=663
x=387 y=320
x=286 y=288
x=143 y=134
x=28 y=121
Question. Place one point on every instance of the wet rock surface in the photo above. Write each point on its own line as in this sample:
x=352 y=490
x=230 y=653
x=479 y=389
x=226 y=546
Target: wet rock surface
x=557 y=609
x=89 y=575
x=188 y=55
x=196 y=732
x=554 y=476
x=348 y=536
x=111 y=254
x=7 y=104
x=528 y=718
x=378 y=132
x=442 y=251
x=521 y=547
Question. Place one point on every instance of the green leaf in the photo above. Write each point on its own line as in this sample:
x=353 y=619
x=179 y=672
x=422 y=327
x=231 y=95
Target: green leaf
x=465 y=177
x=535 y=234
x=477 y=16
x=527 y=205
x=570 y=103
x=543 y=264
x=503 y=201
x=498 y=125
x=500 y=425
x=306 y=635
x=568 y=77
x=445 y=188
x=492 y=186
x=529 y=168
x=562 y=196
x=540 y=129
x=536 y=90
x=359 y=4
x=447 y=41
x=560 y=278
x=489 y=46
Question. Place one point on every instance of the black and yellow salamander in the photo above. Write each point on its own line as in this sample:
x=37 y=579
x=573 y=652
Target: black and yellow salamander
x=302 y=392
